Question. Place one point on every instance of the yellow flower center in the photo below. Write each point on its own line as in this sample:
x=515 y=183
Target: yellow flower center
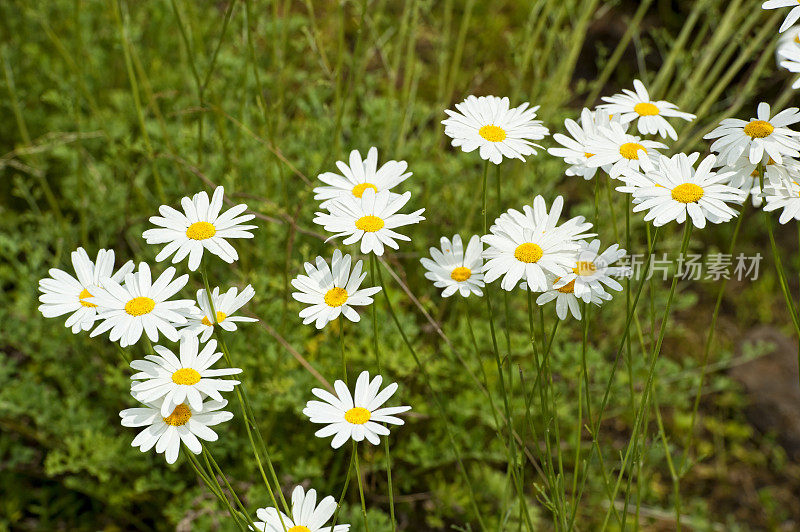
x=492 y=133
x=630 y=150
x=588 y=155
x=299 y=528
x=584 y=268
x=645 y=109
x=179 y=417
x=83 y=295
x=568 y=288
x=357 y=415
x=461 y=274
x=758 y=129
x=220 y=317
x=140 y=305
x=359 y=189
x=187 y=376
x=369 y=223
x=528 y=253
x=201 y=231
x=336 y=297
x=687 y=193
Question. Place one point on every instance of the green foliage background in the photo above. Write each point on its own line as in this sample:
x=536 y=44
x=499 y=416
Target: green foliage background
x=113 y=108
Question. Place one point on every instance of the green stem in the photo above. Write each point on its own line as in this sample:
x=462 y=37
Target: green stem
x=360 y=486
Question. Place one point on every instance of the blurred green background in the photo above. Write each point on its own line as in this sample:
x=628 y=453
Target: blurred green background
x=112 y=108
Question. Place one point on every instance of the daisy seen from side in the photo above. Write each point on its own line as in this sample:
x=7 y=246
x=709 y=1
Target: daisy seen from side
x=64 y=294
x=594 y=272
x=202 y=319
x=575 y=148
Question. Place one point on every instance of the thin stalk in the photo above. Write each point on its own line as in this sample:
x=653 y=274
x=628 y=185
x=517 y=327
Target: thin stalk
x=436 y=400
x=360 y=486
x=209 y=457
x=214 y=487
x=651 y=373
x=344 y=490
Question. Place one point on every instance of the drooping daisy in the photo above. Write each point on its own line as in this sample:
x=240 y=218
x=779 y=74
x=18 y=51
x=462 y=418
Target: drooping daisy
x=786 y=197
x=332 y=291
x=488 y=123
x=184 y=424
x=790 y=60
x=359 y=176
x=594 y=272
x=672 y=189
x=758 y=136
x=371 y=219
x=566 y=300
x=186 y=379
x=651 y=116
x=530 y=246
x=358 y=416
x=141 y=305
x=307 y=516
x=199 y=227
x=616 y=151
x=575 y=151
x=791 y=17
x=454 y=269
x=63 y=294
x=201 y=321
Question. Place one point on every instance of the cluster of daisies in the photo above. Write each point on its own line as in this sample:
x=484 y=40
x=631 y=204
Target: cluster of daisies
x=180 y=388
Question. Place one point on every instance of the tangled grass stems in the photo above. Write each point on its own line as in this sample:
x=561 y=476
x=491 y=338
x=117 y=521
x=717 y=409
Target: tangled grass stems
x=213 y=487
x=247 y=413
x=436 y=400
x=645 y=401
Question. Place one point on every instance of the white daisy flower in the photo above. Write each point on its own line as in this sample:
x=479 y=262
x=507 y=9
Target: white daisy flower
x=651 y=116
x=672 y=189
x=332 y=291
x=745 y=176
x=141 y=305
x=307 y=516
x=371 y=219
x=187 y=379
x=183 y=425
x=454 y=269
x=575 y=151
x=616 y=151
x=790 y=60
x=530 y=246
x=199 y=227
x=786 y=197
x=793 y=15
x=201 y=320
x=758 y=136
x=359 y=176
x=593 y=272
x=64 y=294
x=357 y=416
x=488 y=124
x=566 y=300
